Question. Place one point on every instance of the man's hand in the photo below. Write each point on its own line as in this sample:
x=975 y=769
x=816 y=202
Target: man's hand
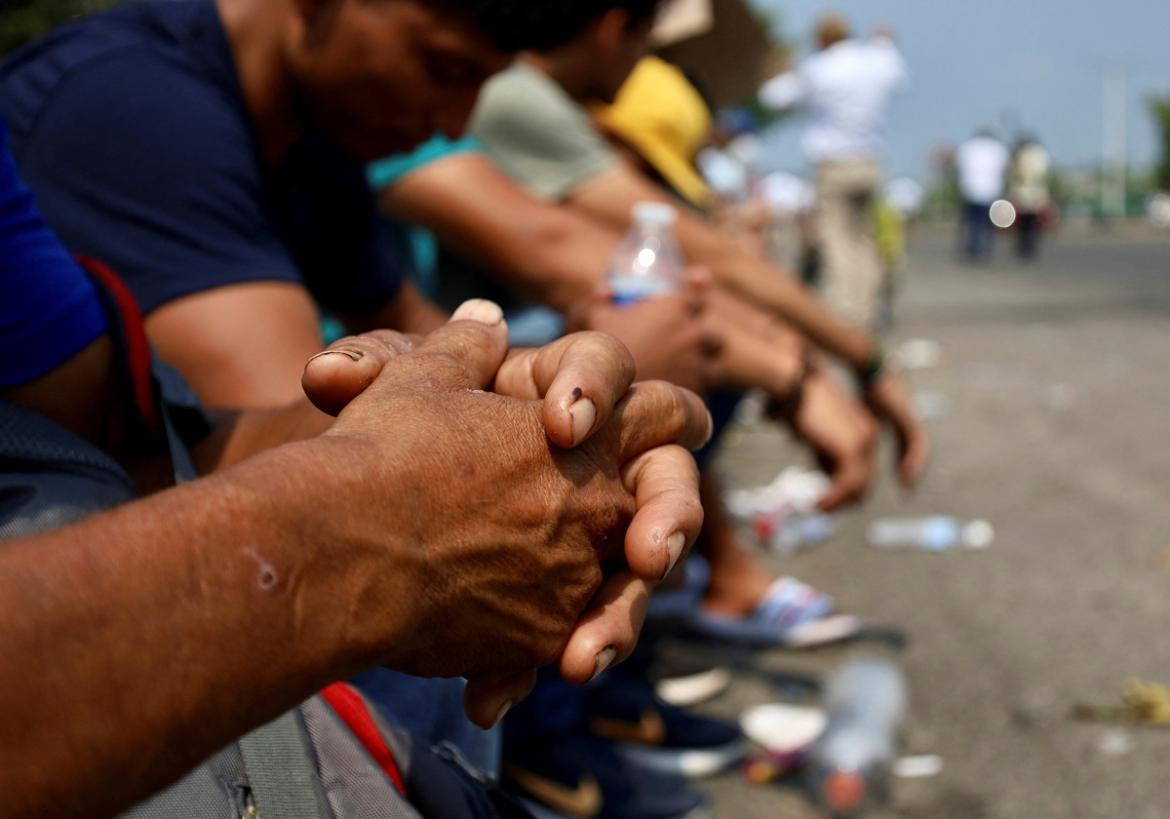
x=435 y=527
x=526 y=526
x=667 y=335
x=841 y=434
x=889 y=400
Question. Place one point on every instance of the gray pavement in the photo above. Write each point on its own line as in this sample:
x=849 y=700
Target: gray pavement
x=1057 y=378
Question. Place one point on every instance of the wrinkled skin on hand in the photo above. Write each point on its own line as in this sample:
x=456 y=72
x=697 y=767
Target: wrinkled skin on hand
x=667 y=335
x=513 y=510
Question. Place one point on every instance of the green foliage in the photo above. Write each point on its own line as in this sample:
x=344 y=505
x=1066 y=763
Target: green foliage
x=24 y=20
x=1160 y=108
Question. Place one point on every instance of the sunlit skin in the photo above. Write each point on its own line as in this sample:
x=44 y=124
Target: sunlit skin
x=376 y=76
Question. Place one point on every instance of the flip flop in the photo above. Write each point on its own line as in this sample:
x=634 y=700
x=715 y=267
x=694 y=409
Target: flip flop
x=791 y=614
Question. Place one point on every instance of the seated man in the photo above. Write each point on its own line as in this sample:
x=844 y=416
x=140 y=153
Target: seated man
x=534 y=247
x=212 y=154
x=148 y=659
x=533 y=121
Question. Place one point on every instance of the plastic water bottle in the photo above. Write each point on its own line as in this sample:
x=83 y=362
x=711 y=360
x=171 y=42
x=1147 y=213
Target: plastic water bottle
x=848 y=767
x=648 y=261
x=788 y=532
x=937 y=533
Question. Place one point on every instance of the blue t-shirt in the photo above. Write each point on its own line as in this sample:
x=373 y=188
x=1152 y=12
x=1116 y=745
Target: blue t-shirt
x=132 y=128
x=49 y=310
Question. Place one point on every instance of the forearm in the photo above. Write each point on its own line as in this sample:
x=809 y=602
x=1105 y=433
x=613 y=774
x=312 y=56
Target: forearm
x=409 y=312
x=775 y=290
x=550 y=253
x=758 y=351
x=555 y=264
x=609 y=198
x=241 y=435
x=142 y=640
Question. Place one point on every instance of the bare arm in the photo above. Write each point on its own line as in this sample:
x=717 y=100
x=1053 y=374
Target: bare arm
x=164 y=629
x=143 y=622
x=609 y=198
x=242 y=346
x=548 y=252
x=409 y=312
x=79 y=395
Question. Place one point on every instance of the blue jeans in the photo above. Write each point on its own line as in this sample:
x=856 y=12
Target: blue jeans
x=979 y=232
x=431 y=711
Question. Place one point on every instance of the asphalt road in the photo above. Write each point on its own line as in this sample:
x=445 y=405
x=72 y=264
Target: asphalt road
x=1055 y=386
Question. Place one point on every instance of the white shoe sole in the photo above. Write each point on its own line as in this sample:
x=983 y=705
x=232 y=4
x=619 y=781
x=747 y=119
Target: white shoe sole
x=832 y=628
x=689 y=764
x=783 y=729
x=683 y=692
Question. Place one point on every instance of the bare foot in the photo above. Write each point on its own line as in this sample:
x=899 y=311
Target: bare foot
x=738 y=581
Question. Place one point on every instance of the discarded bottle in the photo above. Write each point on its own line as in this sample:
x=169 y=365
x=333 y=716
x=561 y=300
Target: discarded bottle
x=648 y=262
x=936 y=533
x=794 y=490
x=849 y=766
x=788 y=532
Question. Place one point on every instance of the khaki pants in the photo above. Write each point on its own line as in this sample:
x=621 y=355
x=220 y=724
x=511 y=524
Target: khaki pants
x=851 y=268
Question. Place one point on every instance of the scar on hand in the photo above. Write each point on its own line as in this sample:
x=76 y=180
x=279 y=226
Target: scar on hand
x=266 y=576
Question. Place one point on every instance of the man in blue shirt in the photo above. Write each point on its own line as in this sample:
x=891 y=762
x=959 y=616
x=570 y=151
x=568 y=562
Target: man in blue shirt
x=236 y=618
x=211 y=153
x=48 y=309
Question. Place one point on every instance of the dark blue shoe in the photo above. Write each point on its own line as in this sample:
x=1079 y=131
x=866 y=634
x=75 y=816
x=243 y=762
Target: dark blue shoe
x=582 y=777
x=658 y=736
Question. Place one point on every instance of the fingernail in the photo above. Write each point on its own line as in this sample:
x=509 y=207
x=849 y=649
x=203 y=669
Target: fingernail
x=584 y=415
x=503 y=710
x=481 y=310
x=674 y=550
x=352 y=355
x=605 y=658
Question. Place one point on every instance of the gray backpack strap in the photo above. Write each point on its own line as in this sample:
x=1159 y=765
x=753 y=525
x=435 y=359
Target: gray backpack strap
x=282 y=776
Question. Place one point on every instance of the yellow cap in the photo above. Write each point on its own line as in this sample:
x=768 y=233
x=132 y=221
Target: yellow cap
x=660 y=115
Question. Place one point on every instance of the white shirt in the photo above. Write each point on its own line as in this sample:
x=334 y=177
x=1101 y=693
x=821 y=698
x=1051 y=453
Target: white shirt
x=786 y=193
x=982 y=162
x=846 y=89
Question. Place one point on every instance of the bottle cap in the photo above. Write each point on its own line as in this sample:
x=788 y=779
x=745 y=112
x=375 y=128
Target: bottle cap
x=844 y=790
x=978 y=534
x=655 y=213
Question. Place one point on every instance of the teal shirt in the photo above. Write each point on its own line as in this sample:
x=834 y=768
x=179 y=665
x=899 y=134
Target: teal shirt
x=385 y=172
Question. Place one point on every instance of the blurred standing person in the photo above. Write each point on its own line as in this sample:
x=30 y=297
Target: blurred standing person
x=981 y=163
x=1029 y=191
x=846 y=88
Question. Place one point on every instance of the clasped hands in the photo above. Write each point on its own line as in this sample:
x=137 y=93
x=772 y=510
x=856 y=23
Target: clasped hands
x=515 y=507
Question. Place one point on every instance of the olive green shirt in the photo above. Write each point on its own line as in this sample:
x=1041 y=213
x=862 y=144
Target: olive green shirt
x=539 y=135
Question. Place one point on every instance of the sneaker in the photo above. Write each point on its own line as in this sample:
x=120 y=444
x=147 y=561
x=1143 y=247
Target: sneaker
x=683 y=690
x=658 y=736
x=582 y=777
x=684 y=678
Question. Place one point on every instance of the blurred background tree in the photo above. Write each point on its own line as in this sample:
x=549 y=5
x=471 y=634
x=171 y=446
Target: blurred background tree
x=25 y=20
x=1160 y=108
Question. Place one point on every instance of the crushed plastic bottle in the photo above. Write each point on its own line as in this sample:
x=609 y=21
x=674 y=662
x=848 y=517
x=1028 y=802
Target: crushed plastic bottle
x=849 y=766
x=792 y=490
x=789 y=532
x=783 y=514
x=648 y=261
x=936 y=533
